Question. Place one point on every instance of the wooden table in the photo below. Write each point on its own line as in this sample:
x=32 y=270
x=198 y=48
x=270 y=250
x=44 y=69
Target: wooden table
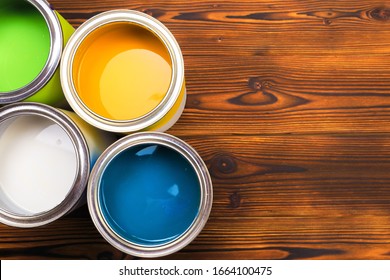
x=289 y=106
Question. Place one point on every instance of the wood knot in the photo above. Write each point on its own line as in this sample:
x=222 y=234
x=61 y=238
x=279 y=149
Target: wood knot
x=235 y=200
x=260 y=94
x=254 y=83
x=153 y=12
x=258 y=84
x=225 y=164
x=327 y=21
x=193 y=101
x=381 y=14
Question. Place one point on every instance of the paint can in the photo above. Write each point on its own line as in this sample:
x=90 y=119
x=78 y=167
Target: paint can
x=45 y=159
x=123 y=71
x=149 y=194
x=32 y=39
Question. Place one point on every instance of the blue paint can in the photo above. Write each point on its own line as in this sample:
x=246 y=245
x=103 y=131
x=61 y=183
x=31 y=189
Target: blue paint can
x=149 y=194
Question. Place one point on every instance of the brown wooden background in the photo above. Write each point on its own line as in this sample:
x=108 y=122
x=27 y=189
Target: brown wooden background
x=289 y=106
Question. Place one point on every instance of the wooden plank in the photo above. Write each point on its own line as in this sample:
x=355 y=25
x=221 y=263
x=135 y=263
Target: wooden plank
x=280 y=72
x=306 y=27
x=274 y=197
x=286 y=94
x=258 y=238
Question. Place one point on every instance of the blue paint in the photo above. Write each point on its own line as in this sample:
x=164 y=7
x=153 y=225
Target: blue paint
x=149 y=194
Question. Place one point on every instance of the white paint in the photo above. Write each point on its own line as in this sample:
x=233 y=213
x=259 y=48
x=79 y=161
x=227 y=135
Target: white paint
x=38 y=165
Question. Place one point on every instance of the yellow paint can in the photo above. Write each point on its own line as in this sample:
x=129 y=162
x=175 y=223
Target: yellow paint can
x=123 y=71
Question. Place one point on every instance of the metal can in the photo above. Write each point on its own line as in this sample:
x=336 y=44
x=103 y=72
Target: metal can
x=149 y=194
x=33 y=37
x=45 y=159
x=123 y=71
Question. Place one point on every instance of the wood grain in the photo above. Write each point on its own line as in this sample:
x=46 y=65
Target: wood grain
x=289 y=106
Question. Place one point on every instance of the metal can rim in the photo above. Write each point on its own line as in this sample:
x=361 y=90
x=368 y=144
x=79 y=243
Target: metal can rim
x=52 y=62
x=83 y=163
x=177 y=145
x=145 y=21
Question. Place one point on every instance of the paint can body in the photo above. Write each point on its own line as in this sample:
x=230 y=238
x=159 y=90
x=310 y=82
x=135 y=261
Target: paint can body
x=33 y=37
x=149 y=194
x=45 y=159
x=123 y=71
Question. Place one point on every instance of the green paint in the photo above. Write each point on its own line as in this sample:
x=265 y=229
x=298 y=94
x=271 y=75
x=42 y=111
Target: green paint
x=24 y=45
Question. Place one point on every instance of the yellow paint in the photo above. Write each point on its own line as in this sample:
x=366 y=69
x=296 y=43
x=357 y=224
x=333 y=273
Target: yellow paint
x=122 y=71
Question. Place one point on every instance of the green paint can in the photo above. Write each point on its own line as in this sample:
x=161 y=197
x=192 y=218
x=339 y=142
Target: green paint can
x=32 y=37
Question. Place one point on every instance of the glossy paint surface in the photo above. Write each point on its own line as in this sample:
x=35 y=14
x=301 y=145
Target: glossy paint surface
x=24 y=45
x=149 y=194
x=38 y=165
x=122 y=71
